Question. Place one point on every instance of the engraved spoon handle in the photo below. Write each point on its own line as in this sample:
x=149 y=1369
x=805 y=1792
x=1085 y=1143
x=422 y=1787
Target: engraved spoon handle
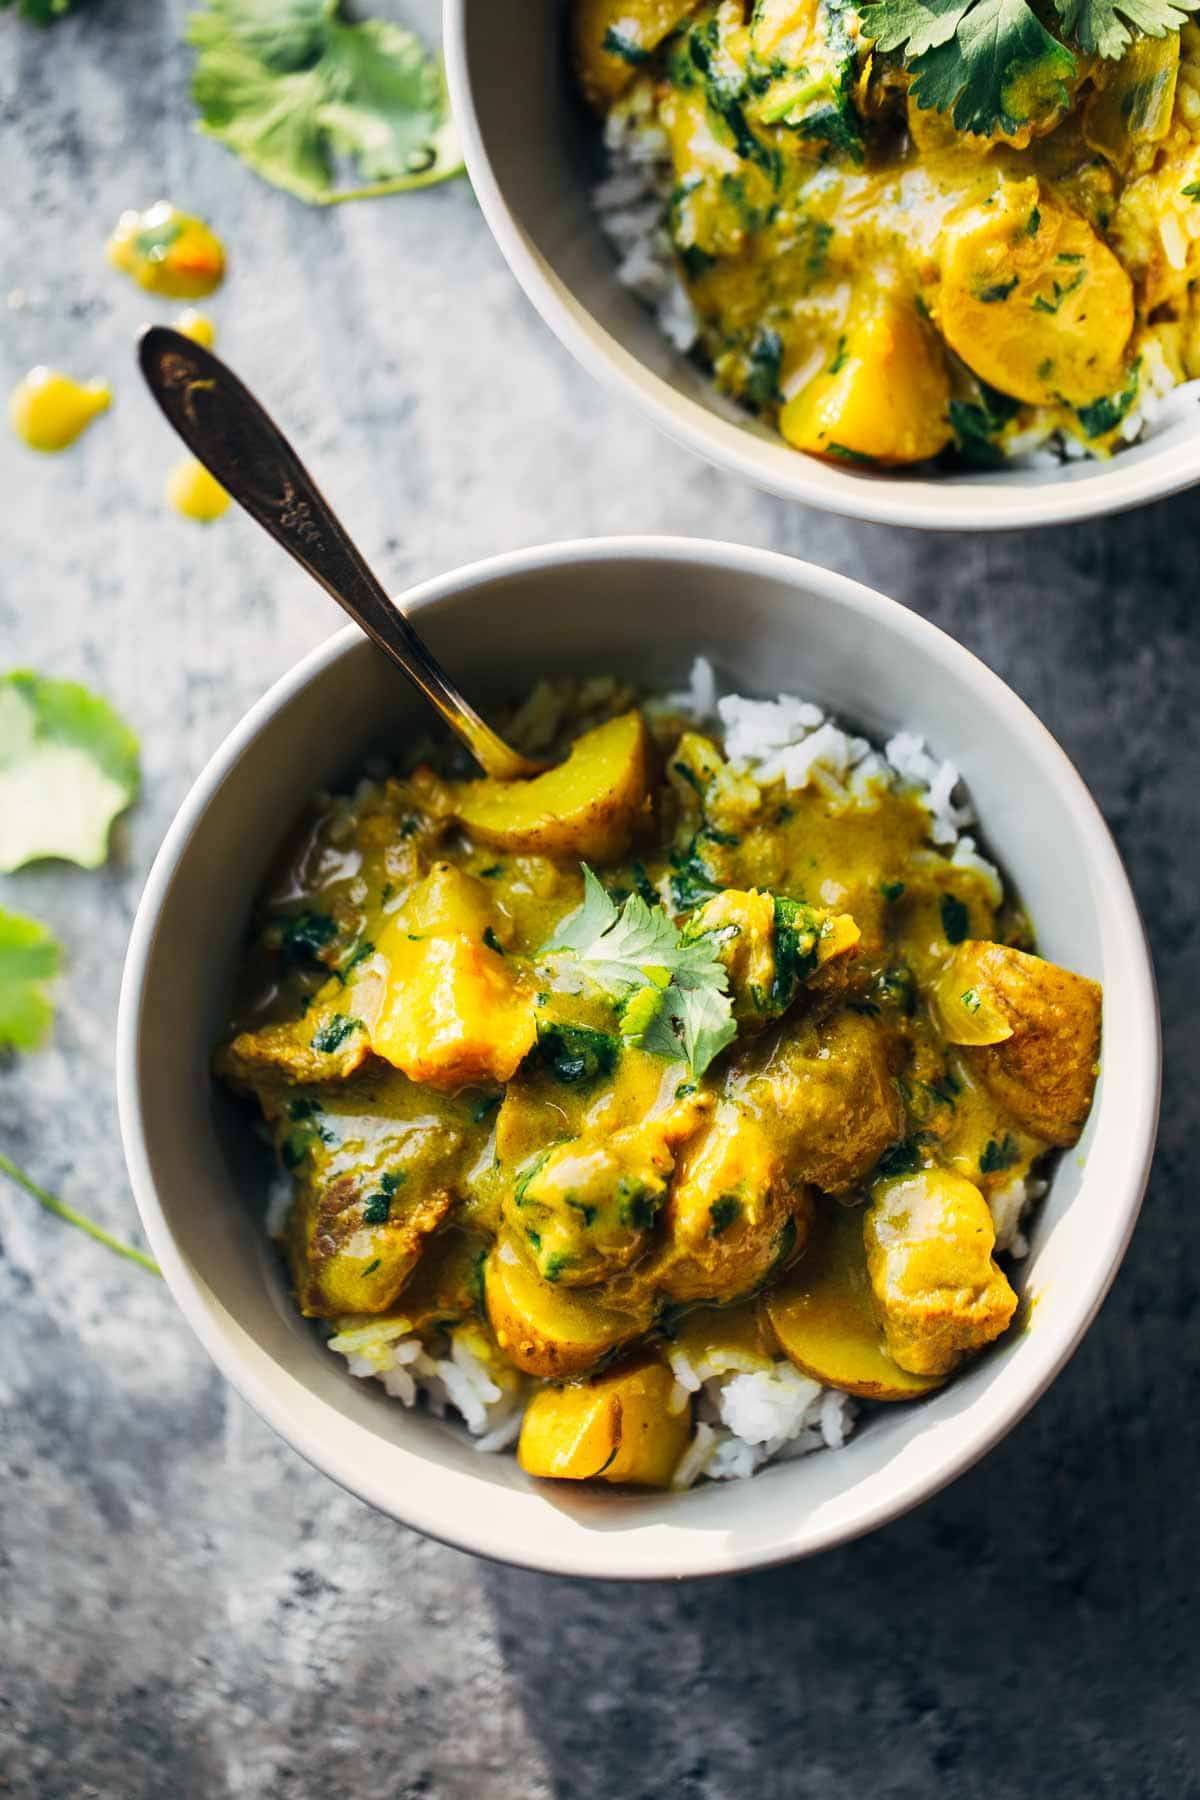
x=227 y=430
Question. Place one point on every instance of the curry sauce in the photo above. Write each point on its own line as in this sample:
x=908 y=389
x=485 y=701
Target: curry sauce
x=686 y=1051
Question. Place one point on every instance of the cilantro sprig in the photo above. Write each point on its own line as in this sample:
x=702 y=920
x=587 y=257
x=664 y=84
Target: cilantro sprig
x=674 y=992
x=993 y=65
x=297 y=89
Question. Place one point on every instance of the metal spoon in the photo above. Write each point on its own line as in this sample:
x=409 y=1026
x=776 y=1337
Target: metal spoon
x=227 y=430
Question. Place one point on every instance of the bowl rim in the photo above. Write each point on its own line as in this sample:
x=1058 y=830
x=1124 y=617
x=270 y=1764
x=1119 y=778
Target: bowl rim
x=603 y=1557
x=894 y=499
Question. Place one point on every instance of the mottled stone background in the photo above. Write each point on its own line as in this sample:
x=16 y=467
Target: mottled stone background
x=188 y=1610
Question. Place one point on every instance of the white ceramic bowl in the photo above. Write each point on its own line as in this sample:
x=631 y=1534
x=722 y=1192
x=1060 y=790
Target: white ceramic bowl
x=531 y=152
x=641 y=607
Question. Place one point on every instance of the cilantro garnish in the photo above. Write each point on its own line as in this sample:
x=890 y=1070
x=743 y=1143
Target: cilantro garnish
x=997 y=1156
x=296 y=89
x=993 y=65
x=68 y=766
x=956 y=920
x=334 y=1032
x=681 y=1005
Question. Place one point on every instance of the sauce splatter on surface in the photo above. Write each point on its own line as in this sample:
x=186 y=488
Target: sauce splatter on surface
x=49 y=410
x=168 y=252
x=197 y=326
x=192 y=491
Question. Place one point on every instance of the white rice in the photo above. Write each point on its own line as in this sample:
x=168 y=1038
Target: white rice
x=749 y=1410
x=794 y=740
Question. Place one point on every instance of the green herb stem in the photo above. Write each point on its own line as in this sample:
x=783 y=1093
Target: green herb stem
x=61 y=1210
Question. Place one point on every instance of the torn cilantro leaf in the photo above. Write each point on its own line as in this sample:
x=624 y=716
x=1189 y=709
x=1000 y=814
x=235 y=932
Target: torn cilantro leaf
x=292 y=87
x=676 y=990
x=68 y=766
x=1000 y=69
x=1107 y=27
x=28 y=960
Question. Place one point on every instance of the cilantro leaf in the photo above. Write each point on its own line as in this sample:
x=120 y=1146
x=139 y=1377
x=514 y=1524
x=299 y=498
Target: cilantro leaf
x=28 y=960
x=291 y=86
x=921 y=24
x=68 y=766
x=694 y=1023
x=1000 y=69
x=675 y=990
x=1107 y=27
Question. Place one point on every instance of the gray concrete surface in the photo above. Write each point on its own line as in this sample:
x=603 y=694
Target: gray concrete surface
x=187 y=1610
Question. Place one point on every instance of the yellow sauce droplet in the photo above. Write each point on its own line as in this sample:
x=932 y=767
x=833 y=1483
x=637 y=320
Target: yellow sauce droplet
x=192 y=491
x=48 y=410
x=168 y=252
x=197 y=326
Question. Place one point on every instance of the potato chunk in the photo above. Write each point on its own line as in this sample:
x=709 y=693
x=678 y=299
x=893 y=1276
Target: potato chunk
x=586 y=807
x=929 y=1240
x=1037 y=1051
x=884 y=396
x=827 y=1098
x=619 y=1427
x=1032 y=299
x=732 y=1211
x=824 y=1315
x=613 y=38
x=454 y=1010
x=549 y=1330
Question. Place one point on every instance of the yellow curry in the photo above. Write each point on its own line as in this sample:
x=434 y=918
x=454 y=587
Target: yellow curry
x=651 y=1051
x=895 y=255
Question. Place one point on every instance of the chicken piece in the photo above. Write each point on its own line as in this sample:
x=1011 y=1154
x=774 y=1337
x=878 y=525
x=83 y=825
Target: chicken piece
x=771 y=946
x=940 y=1295
x=1029 y=1030
x=328 y=1044
x=618 y=1427
x=586 y=1207
x=1033 y=300
x=340 y=1261
x=454 y=1010
x=825 y=1094
x=614 y=38
x=884 y=396
x=732 y=1212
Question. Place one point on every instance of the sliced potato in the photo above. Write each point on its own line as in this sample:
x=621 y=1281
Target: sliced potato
x=1033 y=300
x=824 y=1316
x=586 y=807
x=885 y=395
x=553 y=1331
x=613 y=38
x=619 y=1428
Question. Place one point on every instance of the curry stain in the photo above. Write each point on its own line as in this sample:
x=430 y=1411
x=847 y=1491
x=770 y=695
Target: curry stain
x=168 y=252
x=192 y=491
x=49 y=410
x=197 y=326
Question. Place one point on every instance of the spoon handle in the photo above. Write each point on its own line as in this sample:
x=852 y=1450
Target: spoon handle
x=227 y=430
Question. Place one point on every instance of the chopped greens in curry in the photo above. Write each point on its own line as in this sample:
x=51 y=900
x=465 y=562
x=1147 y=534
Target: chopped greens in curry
x=905 y=229
x=657 y=1063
